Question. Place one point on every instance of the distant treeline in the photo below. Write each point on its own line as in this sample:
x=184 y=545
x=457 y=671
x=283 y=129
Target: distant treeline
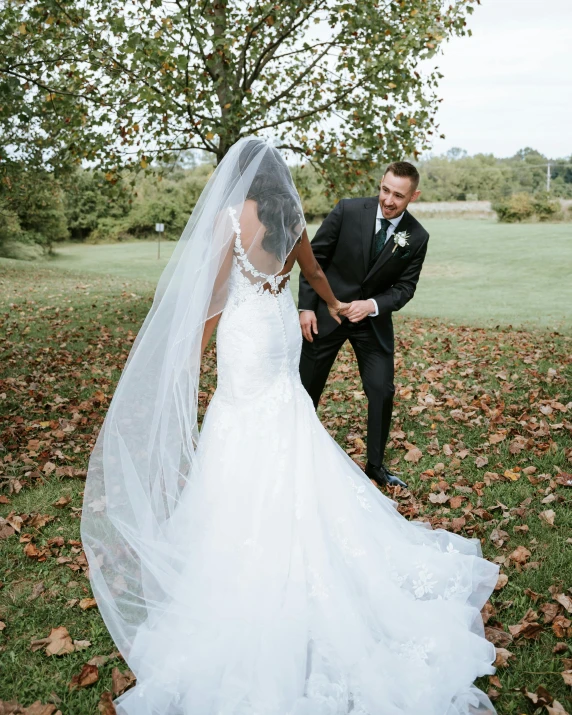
x=38 y=210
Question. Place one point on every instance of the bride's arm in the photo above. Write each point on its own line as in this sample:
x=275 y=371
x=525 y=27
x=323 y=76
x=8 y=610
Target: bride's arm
x=316 y=277
x=210 y=326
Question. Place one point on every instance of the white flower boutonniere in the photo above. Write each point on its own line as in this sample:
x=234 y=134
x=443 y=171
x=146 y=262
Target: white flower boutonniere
x=401 y=239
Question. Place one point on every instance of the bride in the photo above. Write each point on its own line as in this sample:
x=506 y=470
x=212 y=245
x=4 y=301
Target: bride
x=254 y=569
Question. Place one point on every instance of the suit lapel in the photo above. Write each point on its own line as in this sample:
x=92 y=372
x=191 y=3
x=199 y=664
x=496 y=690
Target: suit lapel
x=386 y=251
x=367 y=219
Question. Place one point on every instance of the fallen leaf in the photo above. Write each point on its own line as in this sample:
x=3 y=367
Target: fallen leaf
x=513 y=476
x=62 y=501
x=105 y=705
x=547 y=517
x=414 y=455
x=520 y=555
x=120 y=682
x=81 y=645
x=439 y=498
x=563 y=600
x=88 y=675
x=58 y=642
x=503 y=657
x=501 y=581
x=497 y=636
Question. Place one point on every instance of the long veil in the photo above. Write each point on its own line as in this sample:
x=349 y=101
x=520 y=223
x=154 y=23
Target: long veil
x=145 y=452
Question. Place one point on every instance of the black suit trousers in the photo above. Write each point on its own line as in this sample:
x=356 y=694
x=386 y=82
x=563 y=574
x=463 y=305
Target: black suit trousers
x=376 y=370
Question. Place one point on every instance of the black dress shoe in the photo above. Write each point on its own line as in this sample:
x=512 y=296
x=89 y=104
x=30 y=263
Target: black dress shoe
x=392 y=479
x=383 y=477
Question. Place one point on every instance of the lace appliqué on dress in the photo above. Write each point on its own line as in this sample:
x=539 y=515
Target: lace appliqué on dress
x=273 y=281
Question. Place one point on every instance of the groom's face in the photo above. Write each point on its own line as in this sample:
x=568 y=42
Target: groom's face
x=395 y=193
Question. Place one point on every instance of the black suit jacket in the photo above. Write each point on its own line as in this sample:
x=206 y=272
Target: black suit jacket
x=343 y=245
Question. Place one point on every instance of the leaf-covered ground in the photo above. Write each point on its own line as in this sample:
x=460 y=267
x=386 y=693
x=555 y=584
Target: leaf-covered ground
x=481 y=432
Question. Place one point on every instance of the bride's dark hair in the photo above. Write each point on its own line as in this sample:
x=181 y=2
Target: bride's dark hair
x=275 y=194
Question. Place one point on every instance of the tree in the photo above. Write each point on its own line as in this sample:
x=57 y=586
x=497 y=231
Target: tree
x=335 y=82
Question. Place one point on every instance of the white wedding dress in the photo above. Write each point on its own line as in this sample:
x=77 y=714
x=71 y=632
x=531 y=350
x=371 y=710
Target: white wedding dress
x=305 y=592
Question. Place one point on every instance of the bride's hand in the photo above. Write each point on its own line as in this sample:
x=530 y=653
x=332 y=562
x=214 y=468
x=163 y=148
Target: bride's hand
x=335 y=308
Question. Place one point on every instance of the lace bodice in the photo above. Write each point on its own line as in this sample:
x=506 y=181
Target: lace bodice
x=245 y=274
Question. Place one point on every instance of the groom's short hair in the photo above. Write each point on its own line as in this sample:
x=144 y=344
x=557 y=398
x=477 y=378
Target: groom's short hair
x=404 y=168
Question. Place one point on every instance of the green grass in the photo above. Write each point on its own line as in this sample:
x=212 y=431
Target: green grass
x=65 y=335
x=476 y=271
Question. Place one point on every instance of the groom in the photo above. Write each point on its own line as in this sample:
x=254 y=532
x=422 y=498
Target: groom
x=372 y=251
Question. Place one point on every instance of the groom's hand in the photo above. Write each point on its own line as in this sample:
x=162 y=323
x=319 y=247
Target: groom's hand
x=358 y=310
x=309 y=324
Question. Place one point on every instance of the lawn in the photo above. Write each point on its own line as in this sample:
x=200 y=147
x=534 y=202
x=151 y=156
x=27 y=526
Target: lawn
x=481 y=432
x=476 y=271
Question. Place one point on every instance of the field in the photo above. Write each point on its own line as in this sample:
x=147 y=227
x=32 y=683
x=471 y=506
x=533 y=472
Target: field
x=481 y=432
x=476 y=271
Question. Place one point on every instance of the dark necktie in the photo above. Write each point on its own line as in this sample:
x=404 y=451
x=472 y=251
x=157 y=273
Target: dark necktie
x=380 y=238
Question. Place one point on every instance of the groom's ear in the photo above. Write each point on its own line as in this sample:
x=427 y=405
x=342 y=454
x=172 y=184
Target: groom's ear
x=415 y=195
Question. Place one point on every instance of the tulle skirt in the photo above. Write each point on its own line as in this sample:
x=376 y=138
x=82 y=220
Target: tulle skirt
x=304 y=591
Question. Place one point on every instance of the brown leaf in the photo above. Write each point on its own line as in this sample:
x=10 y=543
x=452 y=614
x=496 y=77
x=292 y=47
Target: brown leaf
x=439 y=498
x=487 y=612
x=15 y=521
x=81 y=645
x=481 y=461
x=526 y=630
x=497 y=636
x=414 y=455
x=86 y=603
x=38 y=708
x=6 y=530
x=556 y=709
x=520 y=555
x=503 y=656
x=105 y=705
x=547 y=517
x=62 y=501
x=540 y=697
x=550 y=611
x=88 y=675
x=498 y=537
x=501 y=581
x=31 y=551
x=565 y=480
x=39 y=520
x=58 y=642
x=563 y=600
x=560 y=626
x=567 y=676
x=121 y=681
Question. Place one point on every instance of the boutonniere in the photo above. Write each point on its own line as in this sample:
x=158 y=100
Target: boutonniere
x=400 y=240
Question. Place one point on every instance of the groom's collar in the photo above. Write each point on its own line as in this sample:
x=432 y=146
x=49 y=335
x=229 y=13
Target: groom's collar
x=395 y=221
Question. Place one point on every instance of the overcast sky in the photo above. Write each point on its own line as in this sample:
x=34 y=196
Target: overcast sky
x=509 y=85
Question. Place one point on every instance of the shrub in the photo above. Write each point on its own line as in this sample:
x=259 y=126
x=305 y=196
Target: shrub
x=545 y=208
x=517 y=207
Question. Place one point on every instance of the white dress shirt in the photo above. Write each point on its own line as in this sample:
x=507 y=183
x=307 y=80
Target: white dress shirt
x=393 y=224
x=391 y=229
